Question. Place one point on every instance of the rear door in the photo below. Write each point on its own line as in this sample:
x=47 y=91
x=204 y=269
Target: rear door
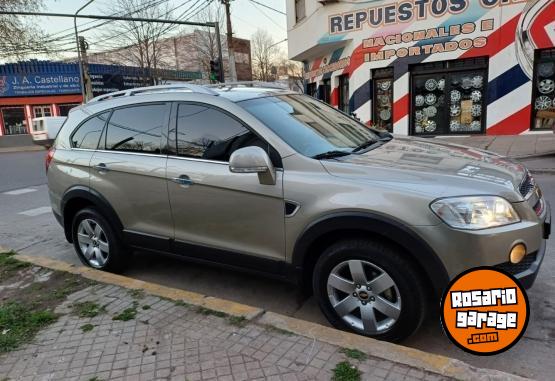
x=129 y=171
x=213 y=208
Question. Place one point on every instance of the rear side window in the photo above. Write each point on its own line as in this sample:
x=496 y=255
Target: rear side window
x=86 y=136
x=137 y=128
x=207 y=133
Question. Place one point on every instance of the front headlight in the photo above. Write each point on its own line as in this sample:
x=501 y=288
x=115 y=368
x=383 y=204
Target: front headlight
x=475 y=212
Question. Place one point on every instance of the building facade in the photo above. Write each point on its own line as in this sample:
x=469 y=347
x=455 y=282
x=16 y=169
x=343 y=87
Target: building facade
x=34 y=89
x=190 y=52
x=431 y=67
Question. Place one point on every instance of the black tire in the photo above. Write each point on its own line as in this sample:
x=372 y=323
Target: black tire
x=116 y=259
x=409 y=286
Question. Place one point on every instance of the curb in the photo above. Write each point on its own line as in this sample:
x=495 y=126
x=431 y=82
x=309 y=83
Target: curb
x=415 y=358
x=22 y=149
x=533 y=155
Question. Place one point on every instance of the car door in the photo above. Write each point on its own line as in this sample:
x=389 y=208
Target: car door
x=129 y=171
x=213 y=208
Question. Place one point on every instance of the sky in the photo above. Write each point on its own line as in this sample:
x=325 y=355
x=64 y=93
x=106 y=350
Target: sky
x=246 y=16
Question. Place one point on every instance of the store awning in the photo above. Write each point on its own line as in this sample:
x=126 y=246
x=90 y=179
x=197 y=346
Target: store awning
x=321 y=49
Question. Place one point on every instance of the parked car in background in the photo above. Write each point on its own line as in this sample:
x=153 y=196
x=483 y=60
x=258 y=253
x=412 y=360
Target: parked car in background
x=277 y=183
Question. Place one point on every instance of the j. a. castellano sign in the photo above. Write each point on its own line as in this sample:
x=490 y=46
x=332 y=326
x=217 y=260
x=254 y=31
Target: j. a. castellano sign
x=39 y=84
x=404 y=12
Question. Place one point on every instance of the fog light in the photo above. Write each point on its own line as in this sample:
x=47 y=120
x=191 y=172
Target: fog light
x=517 y=253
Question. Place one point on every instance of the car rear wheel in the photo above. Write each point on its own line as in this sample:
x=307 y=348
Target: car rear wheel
x=369 y=288
x=95 y=242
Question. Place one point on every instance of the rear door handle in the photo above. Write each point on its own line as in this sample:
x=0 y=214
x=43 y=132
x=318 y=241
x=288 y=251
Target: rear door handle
x=183 y=180
x=101 y=167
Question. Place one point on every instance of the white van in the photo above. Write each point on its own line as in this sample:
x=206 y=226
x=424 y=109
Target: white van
x=45 y=129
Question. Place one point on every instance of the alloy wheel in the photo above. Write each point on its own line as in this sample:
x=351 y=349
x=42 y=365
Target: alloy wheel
x=364 y=296
x=93 y=243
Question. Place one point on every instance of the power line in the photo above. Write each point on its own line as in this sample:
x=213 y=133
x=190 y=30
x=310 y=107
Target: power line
x=267 y=6
x=268 y=17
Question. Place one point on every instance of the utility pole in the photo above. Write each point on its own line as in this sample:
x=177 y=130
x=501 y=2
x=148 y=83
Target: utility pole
x=83 y=46
x=230 y=50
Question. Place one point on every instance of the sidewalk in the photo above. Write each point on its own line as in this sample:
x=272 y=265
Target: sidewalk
x=106 y=331
x=517 y=146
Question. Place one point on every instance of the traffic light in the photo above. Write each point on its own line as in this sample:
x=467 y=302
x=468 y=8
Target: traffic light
x=215 y=70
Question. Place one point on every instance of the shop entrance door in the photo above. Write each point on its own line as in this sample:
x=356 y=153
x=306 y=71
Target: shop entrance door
x=382 y=99
x=14 y=122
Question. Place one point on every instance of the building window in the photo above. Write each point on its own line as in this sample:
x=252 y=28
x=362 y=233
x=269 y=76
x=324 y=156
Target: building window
x=300 y=10
x=448 y=97
x=14 y=121
x=344 y=93
x=42 y=111
x=64 y=109
x=324 y=91
x=382 y=98
x=543 y=93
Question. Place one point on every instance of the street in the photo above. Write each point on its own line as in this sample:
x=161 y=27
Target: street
x=28 y=226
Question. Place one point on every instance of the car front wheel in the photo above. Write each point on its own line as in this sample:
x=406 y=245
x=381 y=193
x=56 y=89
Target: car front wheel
x=369 y=288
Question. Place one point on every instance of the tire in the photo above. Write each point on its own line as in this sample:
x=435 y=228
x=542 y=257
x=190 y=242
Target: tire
x=393 y=307
x=91 y=230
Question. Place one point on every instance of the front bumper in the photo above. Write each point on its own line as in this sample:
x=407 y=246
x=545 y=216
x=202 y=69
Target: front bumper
x=527 y=270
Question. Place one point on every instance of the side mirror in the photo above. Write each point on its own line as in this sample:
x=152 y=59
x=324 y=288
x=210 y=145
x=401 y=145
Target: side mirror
x=253 y=160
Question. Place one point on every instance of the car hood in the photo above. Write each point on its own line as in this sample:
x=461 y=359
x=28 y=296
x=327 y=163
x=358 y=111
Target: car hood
x=435 y=167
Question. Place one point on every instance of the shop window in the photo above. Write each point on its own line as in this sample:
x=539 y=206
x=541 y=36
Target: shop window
x=382 y=96
x=311 y=89
x=42 y=111
x=64 y=109
x=300 y=10
x=14 y=120
x=448 y=97
x=344 y=93
x=543 y=93
x=324 y=91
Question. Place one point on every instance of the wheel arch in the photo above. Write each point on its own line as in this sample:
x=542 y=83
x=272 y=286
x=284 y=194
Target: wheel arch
x=79 y=197
x=338 y=226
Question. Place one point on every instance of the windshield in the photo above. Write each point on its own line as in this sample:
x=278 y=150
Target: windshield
x=309 y=126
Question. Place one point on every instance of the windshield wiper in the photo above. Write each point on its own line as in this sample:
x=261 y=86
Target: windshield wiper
x=365 y=145
x=330 y=155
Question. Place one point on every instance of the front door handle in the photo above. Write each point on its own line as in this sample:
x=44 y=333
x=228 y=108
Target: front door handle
x=101 y=167
x=183 y=180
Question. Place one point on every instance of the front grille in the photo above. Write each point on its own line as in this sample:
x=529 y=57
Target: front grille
x=516 y=268
x=527 y=185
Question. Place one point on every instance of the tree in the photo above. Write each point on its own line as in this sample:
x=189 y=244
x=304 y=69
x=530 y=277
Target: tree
x=205 y=39
x=19 y=36
x=140 y=43
x=264 y=55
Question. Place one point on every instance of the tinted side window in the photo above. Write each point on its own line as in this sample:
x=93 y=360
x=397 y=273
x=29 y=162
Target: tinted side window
x=87 y=135
x=207 y=133
x=137 y=128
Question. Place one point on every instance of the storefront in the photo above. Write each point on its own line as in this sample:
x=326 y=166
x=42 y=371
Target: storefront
x=431 y=67
x=35 y=89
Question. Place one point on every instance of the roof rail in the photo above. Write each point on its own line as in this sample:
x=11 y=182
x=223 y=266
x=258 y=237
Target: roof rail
x=156 y=89
x=268 y=85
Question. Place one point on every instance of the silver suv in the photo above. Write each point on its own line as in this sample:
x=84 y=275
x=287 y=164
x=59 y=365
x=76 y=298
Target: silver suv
x=275 y=182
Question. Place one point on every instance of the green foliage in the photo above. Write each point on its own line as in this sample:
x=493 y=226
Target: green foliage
x=19 y=324
x=87 y=327
x=354 y=354
x=344 y=371
x=87 y=309
x=126 y=315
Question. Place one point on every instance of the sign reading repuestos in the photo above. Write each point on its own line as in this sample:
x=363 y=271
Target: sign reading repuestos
x=484 y=311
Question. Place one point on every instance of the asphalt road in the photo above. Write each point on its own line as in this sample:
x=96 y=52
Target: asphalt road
x=27 y=225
